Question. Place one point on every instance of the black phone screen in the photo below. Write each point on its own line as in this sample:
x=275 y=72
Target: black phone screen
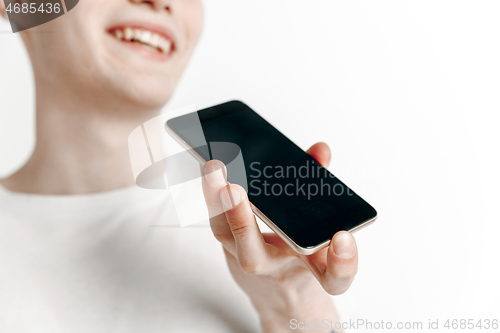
x=302 y=198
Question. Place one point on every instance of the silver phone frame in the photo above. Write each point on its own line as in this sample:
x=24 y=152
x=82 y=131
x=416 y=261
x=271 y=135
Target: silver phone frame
x=297 y=248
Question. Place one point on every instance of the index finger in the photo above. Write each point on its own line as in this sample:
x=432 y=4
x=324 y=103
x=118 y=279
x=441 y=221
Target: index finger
x=251 y=249
x=214 y=179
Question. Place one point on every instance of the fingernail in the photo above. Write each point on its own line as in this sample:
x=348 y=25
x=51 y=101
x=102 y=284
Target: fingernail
x=343 y=245
x=230 y=197
x=213 y=174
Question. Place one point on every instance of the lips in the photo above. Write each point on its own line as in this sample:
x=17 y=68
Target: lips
x=152 y=40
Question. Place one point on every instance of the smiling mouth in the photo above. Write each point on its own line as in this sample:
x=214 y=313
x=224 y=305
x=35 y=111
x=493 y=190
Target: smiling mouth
x=147 y=39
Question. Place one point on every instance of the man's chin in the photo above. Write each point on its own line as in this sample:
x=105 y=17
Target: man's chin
x=147 y=100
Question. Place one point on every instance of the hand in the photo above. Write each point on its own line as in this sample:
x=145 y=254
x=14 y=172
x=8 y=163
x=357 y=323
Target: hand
x=282 y=284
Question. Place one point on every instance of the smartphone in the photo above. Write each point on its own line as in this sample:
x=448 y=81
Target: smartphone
x=288 y=189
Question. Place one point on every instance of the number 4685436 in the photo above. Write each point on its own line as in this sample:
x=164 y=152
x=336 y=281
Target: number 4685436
x=33 y=8
x=481 y=324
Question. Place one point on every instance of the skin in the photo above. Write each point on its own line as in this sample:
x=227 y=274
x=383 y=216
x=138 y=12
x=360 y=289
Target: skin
x=91 y=92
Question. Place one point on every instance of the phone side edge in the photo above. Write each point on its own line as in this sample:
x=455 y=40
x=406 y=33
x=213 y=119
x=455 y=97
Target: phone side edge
x=363 y=225
x=184 y=145
x=297 y=248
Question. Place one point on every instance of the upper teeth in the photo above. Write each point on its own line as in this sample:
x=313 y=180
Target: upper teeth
x=145 y=37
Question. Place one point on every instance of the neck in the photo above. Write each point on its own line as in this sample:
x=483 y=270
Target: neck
x=81 y=147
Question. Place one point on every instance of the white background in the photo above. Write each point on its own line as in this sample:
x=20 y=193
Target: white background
x=407 y=95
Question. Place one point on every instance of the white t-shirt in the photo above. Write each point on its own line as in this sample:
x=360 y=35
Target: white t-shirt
x=112 y=262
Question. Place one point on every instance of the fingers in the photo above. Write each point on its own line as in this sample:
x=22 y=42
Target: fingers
x=232 y=220
x=214 y=179
x=321 y=152
x=251 y=249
